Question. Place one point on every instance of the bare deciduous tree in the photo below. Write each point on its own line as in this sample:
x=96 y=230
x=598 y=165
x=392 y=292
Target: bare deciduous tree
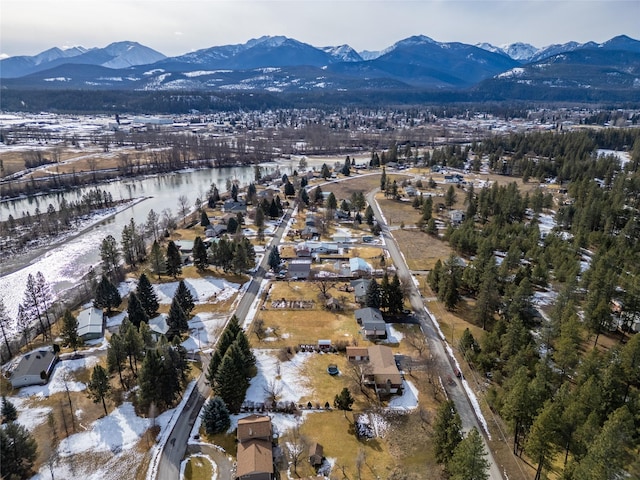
x=183 y=207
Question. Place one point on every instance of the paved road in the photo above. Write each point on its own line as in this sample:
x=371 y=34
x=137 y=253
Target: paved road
x=175 y=448
x=436 y=347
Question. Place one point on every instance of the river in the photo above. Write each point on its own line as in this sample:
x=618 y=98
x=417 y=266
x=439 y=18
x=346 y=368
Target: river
x=65 y=264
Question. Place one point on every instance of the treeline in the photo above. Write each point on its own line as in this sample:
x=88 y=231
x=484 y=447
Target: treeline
x=16 y=234
x=565 y=157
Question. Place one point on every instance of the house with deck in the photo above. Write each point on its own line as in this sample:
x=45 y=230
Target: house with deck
x=382 y=373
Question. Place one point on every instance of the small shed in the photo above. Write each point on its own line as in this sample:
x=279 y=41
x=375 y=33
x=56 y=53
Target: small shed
x=316 y=454
x=324 y=345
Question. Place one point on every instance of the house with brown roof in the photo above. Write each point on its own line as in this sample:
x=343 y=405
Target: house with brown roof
x=382 y=373
x=255 y=450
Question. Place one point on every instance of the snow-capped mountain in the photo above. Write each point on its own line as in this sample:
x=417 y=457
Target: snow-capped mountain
x=127 y=54
x=282 y=64
x=115 y=55
x=343 y=53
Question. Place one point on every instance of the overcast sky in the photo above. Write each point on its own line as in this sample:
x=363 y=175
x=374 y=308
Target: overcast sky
x=174 y=27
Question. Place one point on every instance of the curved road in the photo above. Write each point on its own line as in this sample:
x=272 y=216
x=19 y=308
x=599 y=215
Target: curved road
x=176 y=446
x=436 y=347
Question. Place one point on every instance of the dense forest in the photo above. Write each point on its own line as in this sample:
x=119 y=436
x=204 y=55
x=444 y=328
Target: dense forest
x=573 y=405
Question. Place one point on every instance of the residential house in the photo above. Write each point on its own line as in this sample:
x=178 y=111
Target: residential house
x=185 y=246
x=214 y=231
x=360 y=287
x=310 y=233
x=382 y=373
x=255 y=450
x=455 y=178
x=342 y=238
x=34 y=368
x=158 y=326
x=90 y=323
x=308 y=248
x=359 y=267
x=316 y=454
x=410 y=191
x=299 y=268
x=456 y=216
x=231 y=206
x=372 y=322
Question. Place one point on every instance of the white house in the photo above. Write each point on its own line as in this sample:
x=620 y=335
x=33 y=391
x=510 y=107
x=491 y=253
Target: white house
x=90 y=323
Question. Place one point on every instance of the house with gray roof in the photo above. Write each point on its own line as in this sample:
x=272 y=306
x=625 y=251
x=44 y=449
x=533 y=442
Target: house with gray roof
x=372 y=322
x=34 y=368
x=360 y=287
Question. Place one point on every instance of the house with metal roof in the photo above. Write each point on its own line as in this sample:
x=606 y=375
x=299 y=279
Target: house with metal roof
x=90 y=323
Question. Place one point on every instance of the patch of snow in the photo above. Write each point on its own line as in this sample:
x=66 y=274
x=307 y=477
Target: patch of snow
x=408 y=400
x=119 y=430
x=207 y=289
x=290 y=380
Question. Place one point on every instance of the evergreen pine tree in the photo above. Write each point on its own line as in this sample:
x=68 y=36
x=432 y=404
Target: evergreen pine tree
x=214 y=364
x=176 y=320
x=185 y=298
x=116 y=357
x=215 y=416
x=9 y=411
x=147 y=296
x=384 y=292
x=98 y=387
x=233 y=325
x=69 y=331
x=106 y=295
x=157 y=260
x=274 y=258
x=18 y=452
x=135 y=311
x=395 y=296
x=200 y=255
x=149 y=386
x=468 y=460
x=447 y=432
x=231 y=383
x=245 y=347
x=204 y=219
x=174 y=260
x=373 y=294
x=343 y=400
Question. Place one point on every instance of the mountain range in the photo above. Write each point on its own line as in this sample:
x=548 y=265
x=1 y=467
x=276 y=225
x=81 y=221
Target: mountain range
x=570 y=71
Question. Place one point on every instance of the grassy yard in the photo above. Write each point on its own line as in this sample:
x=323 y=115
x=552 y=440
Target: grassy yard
x=420 y=250
x=199 y=467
